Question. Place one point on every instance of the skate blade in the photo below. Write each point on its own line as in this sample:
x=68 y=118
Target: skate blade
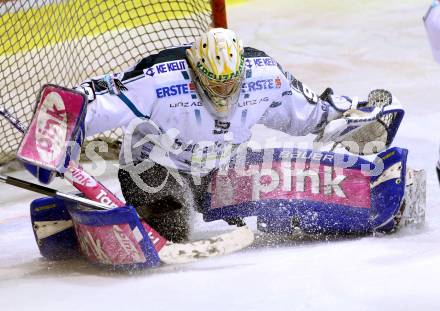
x=177 y=253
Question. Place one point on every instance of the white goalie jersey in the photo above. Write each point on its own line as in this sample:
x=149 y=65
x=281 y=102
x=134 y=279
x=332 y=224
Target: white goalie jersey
x=165 y=120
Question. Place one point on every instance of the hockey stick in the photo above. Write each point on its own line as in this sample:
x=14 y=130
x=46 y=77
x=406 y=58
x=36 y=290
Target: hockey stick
x=51 y=192
x=13 y=120
x=169 y=252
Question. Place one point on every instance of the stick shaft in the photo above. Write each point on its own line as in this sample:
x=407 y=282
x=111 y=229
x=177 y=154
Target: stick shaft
x=50 y=192
x=13 y=120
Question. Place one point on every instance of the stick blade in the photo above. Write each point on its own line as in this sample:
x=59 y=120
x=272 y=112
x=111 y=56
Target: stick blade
x=226 y=243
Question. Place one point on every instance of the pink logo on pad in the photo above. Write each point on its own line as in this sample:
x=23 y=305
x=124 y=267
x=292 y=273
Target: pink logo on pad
x=291 y=180
x=113 y=244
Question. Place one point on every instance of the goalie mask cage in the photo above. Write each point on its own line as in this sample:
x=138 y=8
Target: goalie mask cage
x=64 y=42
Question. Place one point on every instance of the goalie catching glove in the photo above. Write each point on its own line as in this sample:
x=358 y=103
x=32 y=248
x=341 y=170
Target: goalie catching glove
x=365 y=127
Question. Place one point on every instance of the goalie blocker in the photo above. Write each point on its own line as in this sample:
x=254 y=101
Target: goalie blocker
x=55 y=133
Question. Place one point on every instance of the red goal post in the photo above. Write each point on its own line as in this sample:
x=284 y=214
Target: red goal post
x=65 y=42
x=219 y=13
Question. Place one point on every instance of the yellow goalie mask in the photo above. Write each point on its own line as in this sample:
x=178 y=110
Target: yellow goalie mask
x=217 y=60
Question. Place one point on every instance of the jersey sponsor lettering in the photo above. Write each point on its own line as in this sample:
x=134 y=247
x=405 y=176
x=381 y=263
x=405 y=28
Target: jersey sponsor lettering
x=172 y=90
x=260 y=62
x=186 y=104
x=251 y=102
x=171 y=66
x=260 y=85
x=165 y=67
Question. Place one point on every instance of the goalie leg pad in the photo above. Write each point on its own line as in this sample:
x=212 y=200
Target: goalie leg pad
x=319 y=197
x=53 y=229
x=113 y=238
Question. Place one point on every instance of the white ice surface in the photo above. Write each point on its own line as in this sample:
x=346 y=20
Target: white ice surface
x=352 y=46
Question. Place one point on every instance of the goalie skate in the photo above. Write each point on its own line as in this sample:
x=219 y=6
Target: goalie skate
x=414 y=203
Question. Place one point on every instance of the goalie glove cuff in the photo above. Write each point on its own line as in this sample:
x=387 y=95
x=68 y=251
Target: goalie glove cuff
x=340 y=103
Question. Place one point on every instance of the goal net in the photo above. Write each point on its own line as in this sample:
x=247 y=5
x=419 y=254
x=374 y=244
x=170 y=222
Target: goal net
x=66 y=41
